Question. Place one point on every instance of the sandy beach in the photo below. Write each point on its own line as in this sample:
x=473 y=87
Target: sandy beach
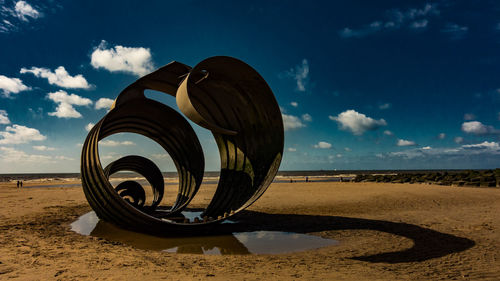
x=386 y=232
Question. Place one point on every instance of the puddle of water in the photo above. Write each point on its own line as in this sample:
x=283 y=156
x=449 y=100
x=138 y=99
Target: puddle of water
x=237 y=243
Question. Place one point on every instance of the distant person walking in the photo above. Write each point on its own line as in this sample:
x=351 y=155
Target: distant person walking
x=307 y=179
x=18 y=184
x=21 y=184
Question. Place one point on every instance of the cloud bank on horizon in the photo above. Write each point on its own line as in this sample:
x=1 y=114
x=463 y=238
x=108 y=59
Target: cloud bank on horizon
x=376 y=87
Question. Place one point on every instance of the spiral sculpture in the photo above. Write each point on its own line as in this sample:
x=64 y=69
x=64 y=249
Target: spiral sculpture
x=221 y=94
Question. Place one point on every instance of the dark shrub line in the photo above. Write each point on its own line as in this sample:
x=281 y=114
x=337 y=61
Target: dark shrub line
x=484 y=178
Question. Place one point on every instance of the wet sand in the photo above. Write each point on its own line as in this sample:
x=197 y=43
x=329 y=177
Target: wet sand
x=386 y=232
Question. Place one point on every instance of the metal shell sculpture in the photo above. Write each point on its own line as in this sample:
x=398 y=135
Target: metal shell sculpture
x=221 y=94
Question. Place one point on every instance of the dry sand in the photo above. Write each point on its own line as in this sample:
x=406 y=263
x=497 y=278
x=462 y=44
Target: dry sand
x=386 y=231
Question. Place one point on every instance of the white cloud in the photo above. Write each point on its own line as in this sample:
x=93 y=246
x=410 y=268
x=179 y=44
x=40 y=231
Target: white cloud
x=104 y=103
x=356 y=122
x=4 y=118
x=442 y=136
x=388 y=133
x=292 y=149
x=483 y=145
x=59 y=77
x=294 y=104
x=17 y=134
x=419 y=152
x=65 y=110
x=402 y=142
x=114 y=155
x=469 y=116
x=426 y=10
x=11 y=155
x=478 y=128
x=484 y=149
x=323 y=145
x=399 y=16
x=474 y=127
x=160 y=156
x=16 y=14
x=301 y=75
x=36 y=114
x=7 y=26
x=24 y=10
x=125 y=59
x=347 y=149
x=361 y=32
x=115 y=143
x=458 y=140
x=390 y=24
x=17 y=159
x=89 y=126
x=395 y=20
x=332 y=157
x=64 y=158
x=7 y=22
x=291 y=122
x=419 y=24
x=455 y=31
x=43 y=148
x=11 y=86
x=410 y=154
x=348 y=32
x=306 y=117
x=65 y=104
x=384 y=106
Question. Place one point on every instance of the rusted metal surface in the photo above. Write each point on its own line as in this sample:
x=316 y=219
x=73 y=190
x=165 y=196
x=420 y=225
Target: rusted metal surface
x=221 y=94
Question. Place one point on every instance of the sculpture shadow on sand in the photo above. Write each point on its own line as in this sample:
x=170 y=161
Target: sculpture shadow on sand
x=427 y=243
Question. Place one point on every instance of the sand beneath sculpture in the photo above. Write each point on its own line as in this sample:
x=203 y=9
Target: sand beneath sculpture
x=386 y=232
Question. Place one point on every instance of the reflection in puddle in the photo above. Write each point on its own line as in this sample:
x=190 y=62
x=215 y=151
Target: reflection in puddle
x=190 y=215
x=255 y=242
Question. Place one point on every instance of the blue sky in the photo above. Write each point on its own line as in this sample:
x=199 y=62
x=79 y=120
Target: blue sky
x=361 y=84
